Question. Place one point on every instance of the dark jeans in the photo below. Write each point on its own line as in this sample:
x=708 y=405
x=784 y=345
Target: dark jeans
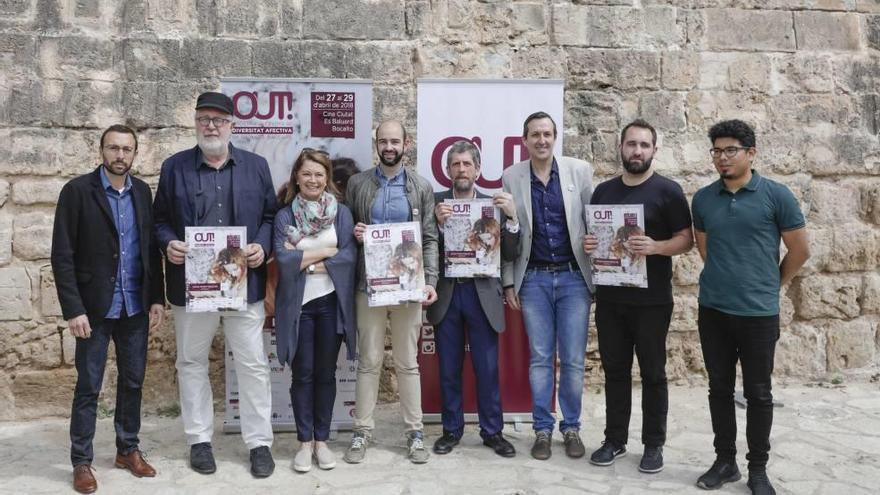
x=313 y=384
x=751 y=339
x=129 y=335
x=465 y=311
x=623 y=328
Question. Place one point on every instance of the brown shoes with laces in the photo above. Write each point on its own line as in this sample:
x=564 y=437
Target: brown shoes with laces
x=134 y=462
x=83 y=479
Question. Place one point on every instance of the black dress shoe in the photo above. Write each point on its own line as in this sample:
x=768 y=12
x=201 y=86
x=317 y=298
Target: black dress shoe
x=262 y=464
x=444 y=444
x=501 y=446
x=720 y=473
x=201 y=458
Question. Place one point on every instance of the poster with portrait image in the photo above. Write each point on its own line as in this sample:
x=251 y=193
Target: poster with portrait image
x=393 y=258
x=216 y=269
x=472 y=239
x=612 y=261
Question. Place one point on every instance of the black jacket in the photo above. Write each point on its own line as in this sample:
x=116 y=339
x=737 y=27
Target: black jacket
x=85 y=248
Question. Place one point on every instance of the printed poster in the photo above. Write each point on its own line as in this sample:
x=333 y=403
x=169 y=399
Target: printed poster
x=472 y=239
x=216 y=269
x=393 y=258
x=613 y=263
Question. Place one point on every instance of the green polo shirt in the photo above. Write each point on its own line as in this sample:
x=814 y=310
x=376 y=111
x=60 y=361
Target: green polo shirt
x=741 y=271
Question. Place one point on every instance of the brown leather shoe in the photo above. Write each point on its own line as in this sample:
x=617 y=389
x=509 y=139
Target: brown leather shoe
x=134 y=462
x=83 y=479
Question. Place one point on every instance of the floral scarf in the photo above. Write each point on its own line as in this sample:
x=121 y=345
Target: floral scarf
x=311 y=217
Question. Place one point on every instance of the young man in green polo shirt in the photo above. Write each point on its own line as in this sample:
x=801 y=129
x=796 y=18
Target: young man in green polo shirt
x=739 y=220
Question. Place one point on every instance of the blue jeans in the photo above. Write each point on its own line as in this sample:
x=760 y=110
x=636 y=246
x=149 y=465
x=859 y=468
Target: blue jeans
x=129 y=335
x=556 y=309
x=313 y=373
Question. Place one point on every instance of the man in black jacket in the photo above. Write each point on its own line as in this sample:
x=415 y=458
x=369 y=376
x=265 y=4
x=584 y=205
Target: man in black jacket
x=108 y=274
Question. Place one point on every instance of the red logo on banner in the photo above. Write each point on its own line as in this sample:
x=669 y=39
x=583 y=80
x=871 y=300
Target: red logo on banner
x=332 y=114
x=510 y=144
x=246 y=105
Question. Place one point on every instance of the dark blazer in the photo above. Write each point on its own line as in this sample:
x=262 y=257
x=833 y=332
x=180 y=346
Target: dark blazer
x=488 y=289
x=292 y=283
x=253 y=207
x=85 y=248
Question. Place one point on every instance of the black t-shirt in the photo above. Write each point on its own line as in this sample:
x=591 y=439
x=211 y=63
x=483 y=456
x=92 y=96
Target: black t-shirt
x=666 y=212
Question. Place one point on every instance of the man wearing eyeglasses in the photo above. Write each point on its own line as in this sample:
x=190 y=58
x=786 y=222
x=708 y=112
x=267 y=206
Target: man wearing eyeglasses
x=739 y=220
x=217 y=184
x=108 y=274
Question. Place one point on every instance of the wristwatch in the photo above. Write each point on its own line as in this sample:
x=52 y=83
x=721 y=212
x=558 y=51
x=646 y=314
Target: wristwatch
x=311 y=269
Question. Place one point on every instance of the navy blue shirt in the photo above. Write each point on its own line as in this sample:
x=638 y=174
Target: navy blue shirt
x=391 y=204
x=550 y=239
x=214 y=194
x=129 y=272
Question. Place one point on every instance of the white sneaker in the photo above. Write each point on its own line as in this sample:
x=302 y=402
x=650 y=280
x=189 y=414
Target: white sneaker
x=325 y=457
x=302 y=461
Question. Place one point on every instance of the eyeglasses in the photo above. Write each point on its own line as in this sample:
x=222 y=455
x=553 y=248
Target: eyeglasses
x=313 y=150
x=729 y=152
x=126 y=150
x=217 y=121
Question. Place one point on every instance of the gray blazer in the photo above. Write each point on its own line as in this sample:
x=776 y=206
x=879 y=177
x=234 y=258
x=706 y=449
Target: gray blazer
x=576 y=180
x=292 y=283
x=488 y=289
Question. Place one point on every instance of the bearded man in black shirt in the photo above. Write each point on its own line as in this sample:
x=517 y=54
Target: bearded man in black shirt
x=637 y=319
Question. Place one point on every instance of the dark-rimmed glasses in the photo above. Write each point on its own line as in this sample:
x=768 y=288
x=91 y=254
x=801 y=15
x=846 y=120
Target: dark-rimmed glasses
x=217 y=121
x=729 y=152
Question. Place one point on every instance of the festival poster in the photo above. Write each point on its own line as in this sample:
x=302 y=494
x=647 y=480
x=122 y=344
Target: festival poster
x=393 y=258
x=613 y=263
x=216 y=269
x=472 y=239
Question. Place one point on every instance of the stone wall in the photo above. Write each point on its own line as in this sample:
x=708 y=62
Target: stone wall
x=805 y=73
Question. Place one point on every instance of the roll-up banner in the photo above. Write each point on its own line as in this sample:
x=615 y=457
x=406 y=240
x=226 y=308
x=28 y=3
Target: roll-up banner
x=277 y=118
x=489 y=113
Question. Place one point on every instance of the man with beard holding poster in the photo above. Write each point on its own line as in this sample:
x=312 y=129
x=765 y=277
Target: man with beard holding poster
x=108 y=274
x=477 y=303
x=635 y=319
x=217 y=184
x=388 y=193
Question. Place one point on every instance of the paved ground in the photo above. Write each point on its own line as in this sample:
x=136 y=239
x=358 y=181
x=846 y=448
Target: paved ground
x=826 y=440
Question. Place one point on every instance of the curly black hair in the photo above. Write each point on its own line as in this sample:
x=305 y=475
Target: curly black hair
x=736 y=129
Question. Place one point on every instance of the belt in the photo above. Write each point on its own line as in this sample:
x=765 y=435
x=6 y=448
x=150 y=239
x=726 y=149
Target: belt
x=463 y=280
x=570 y=266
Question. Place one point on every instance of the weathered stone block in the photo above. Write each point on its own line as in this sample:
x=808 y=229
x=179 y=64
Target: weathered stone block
x=4 y=192
x=15 y=294
x=851 y=154
x=735 y=71
x=686 y=268
x=800 y=351
x=871 y=293
x=827 y=31
x=79 y=57
x=5 y=239
x=855 y=248
x=43 y=393
x=249 y=19
x=325 y=20
x=7 y=398
x=750 y=30
x=15 y=7
x=87 y=8
x=708 y=107
x=859 y=74
x=849 y=344
x=528 y=20
x=829 y=296
x=684 y=313
x=872 y=24
x=592 y=111
x=49 y=305
x=833 y=203
x=151 y=60
x=615 y=27
x=68 y=347
x=159 y=144
x=292 y=19
x=321 y=58
x=419 y=21
x=802 y=72
x=383 y=62
x=664 y=109
x=535 y=62
x=31 y=192
x=621 y=69
x=208 y=58
x=870 y=207
x=32 y=233
x=680 y=70
x=18 y=55
x=175 y=103
x=41 y=348
x=684 y=356
x=138 y=104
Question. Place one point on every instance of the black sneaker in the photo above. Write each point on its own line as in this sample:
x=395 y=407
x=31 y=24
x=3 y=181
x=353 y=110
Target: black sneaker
x=652 y=460
x=605 y=455
x=201 y=458
x=445 y=443
x=262 y=464
x=759 y=483
x=541 y=448
x=720 y=473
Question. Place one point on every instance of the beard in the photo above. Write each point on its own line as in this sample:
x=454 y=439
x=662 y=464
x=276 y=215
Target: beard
x=212 y=146
x=117 y=167
x=636 y=168
x=393 y=162
x=462 y=184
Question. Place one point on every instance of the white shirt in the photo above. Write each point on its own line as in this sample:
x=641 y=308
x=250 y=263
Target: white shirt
x=319 y=284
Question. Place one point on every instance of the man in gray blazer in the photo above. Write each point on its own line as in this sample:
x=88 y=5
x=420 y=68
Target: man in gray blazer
x=476 y=303
x=550 y=279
